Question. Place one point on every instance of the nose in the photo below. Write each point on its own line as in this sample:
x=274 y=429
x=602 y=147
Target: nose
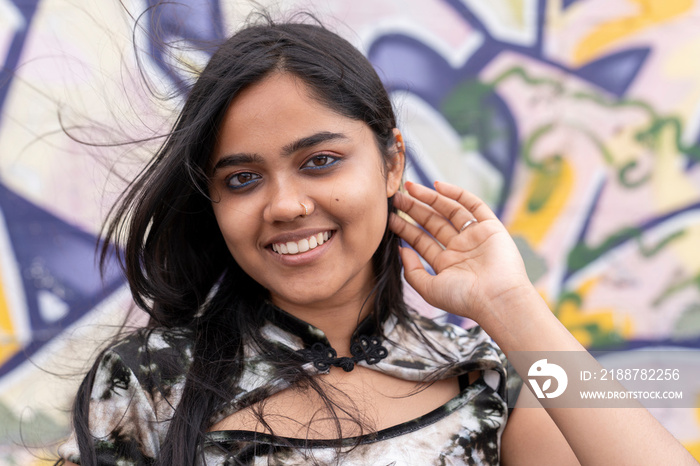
x=285 y=204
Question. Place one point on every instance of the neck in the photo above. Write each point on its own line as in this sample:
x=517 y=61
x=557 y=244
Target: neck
x=337 y=320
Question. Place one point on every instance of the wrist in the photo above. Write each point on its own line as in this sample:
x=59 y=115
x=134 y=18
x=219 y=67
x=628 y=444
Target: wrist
x=518 y=317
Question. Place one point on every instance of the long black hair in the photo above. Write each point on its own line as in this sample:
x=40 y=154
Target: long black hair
x=170 y=247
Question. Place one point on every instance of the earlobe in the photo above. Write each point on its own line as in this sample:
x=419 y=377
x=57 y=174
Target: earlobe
x=395 y=173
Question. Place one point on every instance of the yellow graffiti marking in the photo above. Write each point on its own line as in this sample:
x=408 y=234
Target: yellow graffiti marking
x=651 y=12
x=694 y=446
x=517 y=9
x=674 y=190
x=668 y=171
x=584 y=324
x=533 y=224
x=8 y=343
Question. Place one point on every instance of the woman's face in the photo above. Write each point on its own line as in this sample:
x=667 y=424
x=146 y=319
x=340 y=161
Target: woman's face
x=300 y=194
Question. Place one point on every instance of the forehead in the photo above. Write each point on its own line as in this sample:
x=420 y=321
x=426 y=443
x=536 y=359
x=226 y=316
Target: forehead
x=280 y=108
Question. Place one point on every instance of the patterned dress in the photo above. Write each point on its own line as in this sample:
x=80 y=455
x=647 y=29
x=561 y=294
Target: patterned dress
x=130 y=411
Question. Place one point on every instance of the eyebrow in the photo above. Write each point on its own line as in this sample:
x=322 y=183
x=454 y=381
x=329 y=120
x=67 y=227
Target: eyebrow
x=237 y=159
x=289 y=149
x=310 y=141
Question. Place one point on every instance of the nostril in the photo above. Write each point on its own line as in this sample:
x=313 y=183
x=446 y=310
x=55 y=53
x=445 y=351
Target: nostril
x=286 y=210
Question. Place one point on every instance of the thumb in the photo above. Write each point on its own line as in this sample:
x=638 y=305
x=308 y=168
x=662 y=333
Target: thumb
x=414 y=272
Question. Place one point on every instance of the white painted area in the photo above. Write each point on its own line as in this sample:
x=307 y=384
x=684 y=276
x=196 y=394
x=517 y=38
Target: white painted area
x=10 y=17
x=12 y=286
x=11 y=21
x=497 y=16
x=456 y=56
x=558 y=268
x=51 y=307
x=68 y=353
x=439 y=151
x=691 y=127
x=157 y=79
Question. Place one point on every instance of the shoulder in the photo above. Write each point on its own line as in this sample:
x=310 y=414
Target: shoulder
x=147 y=349
x=170 y=340
x=454 y=342
x=131 y=393
x=148 y=365
x=428 y=344
x=163 y=354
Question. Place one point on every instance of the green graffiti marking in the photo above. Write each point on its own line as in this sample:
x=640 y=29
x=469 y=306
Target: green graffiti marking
x=651 y=251
x=582 y=254
x=688 y=325
x=464 y=109
x=535 y=265
x=548 y=172
x=600 y=337
x=520 y=72
x=648 y=136
x=677 y=285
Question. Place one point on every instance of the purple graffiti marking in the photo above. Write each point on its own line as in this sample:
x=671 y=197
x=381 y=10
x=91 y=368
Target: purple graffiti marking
x=197 y=22
x=57 y=269
x=27 y=8
x=55 y=261
x=409 y=65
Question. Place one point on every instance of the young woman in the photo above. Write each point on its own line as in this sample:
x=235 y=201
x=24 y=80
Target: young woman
x=263 y=240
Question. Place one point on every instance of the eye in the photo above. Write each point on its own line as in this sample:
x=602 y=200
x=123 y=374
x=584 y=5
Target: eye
x=241 y=180
x=320 y=161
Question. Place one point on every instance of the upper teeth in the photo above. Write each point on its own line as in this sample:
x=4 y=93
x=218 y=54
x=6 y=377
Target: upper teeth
x=303 y=245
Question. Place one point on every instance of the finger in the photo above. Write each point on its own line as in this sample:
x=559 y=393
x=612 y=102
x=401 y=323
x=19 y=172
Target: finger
x=456 y=213
x=419 y=240
x=472 y=203
x=434 y=223
x=414 y=272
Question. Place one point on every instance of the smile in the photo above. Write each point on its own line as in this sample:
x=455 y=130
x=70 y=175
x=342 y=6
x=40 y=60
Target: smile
x=303 y=245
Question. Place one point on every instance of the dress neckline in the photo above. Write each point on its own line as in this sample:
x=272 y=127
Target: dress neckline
x=466 y=394
x=365 y=344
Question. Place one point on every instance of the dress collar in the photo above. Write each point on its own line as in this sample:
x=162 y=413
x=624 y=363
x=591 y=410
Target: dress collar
x=442 y=351
x=313 y=345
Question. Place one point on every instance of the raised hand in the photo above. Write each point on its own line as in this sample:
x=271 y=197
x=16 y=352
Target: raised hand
x=476 y=262
x=480 y=274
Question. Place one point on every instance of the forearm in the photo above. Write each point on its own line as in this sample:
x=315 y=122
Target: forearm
x=480 y=274
x=625 y=435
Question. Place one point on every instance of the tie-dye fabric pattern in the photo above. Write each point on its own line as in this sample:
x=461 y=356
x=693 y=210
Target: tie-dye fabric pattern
x=139 y=382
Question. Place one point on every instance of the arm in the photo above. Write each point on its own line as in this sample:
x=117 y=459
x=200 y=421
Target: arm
x=596 y=435
x=480 y=275
x=532 y=438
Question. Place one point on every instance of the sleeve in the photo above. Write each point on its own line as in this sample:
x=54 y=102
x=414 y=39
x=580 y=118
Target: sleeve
x=499 y=374
x=122 y=417
x=513 y=382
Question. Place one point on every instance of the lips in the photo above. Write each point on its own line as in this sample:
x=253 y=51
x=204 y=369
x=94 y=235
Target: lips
x=303 y=245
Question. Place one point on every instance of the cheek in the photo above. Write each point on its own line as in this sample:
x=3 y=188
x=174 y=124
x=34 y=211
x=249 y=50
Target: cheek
x=234 y=228
x=363 y=204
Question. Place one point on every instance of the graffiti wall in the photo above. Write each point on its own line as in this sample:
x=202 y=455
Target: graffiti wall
x=578 y=121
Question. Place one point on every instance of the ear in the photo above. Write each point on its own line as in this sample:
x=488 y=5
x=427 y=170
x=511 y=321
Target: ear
x=395 y=172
